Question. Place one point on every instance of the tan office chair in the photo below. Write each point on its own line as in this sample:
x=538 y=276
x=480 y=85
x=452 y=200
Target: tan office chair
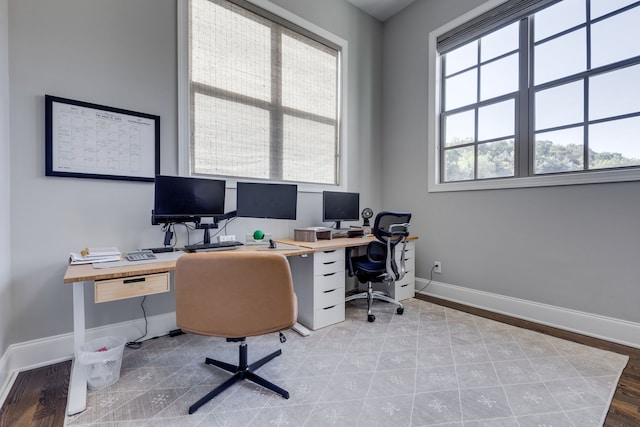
x=235 y=295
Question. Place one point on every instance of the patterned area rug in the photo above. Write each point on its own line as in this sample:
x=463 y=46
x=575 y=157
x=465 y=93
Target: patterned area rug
x=431 y=366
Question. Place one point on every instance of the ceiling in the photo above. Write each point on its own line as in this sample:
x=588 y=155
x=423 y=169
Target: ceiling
x=381 y=9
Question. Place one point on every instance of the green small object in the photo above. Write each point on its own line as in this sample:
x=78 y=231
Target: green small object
x=258 y=235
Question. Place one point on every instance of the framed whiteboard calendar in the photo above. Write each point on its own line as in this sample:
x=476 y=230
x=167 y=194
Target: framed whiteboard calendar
x=85 y=140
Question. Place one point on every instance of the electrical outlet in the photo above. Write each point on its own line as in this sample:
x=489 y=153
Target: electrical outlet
x=437 y=267
x=228 y=238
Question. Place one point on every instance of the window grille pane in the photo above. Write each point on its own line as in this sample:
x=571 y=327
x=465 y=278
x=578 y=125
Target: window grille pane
x=602 y=7
x=309 y=76
x=614 y=39
x=496 y=159
x=309 y=149
x=500 y=42
x=615 y=93
x=459 y=164
x=559 y=17
x=461 y=90
x=496 y=120
x=460 y=128
x=462 y=58
x=559 y=106
x=614 y=144
x=559 y=151
x=229 y=50
x=560 y=57
x=230 y=138
x=499 y=77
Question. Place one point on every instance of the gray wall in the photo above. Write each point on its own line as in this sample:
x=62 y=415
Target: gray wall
x=122 y=53
x=6 y=310
x=571 y=246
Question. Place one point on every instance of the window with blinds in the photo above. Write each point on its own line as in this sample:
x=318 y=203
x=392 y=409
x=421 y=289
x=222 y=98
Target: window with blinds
x=543 y=91
x=264 y=96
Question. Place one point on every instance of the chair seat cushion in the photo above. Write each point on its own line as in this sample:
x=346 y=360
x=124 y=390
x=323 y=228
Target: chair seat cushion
x=366 y=270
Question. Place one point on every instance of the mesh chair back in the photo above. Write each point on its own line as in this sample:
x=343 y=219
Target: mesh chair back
x=391 y=228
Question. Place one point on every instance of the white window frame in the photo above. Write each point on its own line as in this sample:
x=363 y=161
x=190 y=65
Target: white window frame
x=184 y=126
x=433 y=152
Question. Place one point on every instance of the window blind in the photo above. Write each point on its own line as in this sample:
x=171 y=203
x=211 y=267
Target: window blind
x=264 y=97
x=504 y=14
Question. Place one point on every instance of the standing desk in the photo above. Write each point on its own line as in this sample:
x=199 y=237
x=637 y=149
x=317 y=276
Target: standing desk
x=126 y=280
x=321 y=283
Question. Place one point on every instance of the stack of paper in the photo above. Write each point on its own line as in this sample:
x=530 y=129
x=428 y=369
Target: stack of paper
x=91 y=255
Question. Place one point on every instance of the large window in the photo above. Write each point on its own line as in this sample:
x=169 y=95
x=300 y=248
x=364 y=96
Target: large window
x=540 y=91
x=263 y=96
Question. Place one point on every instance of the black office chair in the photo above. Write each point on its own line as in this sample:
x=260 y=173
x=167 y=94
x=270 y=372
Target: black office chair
x=379 y=264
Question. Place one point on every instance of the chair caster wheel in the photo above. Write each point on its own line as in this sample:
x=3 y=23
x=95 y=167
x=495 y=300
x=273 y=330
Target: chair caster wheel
x=371 y=318
x=400 y=310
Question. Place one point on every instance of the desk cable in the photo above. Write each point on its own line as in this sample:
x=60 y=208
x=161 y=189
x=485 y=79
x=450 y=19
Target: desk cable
x=136 y=344
x=430 y=280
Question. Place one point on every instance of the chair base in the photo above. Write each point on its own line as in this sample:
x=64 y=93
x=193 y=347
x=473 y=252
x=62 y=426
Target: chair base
x=241 y=372
x=370 y=295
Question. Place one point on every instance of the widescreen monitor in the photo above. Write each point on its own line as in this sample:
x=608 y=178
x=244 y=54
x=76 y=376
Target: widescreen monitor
x=182 y=199
x=340 y=206
x=260 y=200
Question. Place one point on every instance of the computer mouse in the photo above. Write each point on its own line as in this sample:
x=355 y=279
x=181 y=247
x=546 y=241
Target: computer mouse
x=272 y=244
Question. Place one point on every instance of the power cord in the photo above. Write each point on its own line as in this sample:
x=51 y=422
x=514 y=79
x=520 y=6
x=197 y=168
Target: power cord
x=135 y=344
x=430 y=280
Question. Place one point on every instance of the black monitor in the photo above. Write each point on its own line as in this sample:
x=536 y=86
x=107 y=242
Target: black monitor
x=260 y=200
x=340 y=206
x=181 y=199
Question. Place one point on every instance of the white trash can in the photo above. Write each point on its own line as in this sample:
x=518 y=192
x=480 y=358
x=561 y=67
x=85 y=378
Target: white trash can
x=102 y=359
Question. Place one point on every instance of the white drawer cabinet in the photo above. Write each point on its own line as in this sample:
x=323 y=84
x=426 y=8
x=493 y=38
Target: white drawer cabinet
x=405 y=287
x=328 y=288
x=321 y=302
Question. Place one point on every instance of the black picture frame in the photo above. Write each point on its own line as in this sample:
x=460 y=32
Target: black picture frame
x=85 y=140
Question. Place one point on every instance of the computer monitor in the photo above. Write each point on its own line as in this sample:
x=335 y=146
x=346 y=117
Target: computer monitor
x=182 y=199
x=340 y=206
x=261 y=200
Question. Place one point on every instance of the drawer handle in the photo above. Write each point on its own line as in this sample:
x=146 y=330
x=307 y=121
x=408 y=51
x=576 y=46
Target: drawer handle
x=328 y=308
x=136 y=280
x=329 y=274
x=329 y=262
x=331 y=290
x=329 y=252
x=404 y=286
x=304 y=256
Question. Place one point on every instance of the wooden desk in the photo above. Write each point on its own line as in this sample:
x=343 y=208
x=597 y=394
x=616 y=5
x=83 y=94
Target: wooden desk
x=328 y=244
x=338 y=243
x=116 y=278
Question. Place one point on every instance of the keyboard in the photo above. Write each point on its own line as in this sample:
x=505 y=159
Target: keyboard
x=216 y=246
x=140 y=255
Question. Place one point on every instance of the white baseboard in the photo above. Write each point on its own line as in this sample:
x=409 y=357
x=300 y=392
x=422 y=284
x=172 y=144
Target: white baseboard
x=42 y=352
x=593 y=325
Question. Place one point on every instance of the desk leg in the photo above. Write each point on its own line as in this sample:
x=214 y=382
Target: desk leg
x=78 y=385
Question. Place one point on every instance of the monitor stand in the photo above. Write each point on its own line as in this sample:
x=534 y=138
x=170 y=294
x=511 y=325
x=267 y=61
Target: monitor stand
x=206 y=227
